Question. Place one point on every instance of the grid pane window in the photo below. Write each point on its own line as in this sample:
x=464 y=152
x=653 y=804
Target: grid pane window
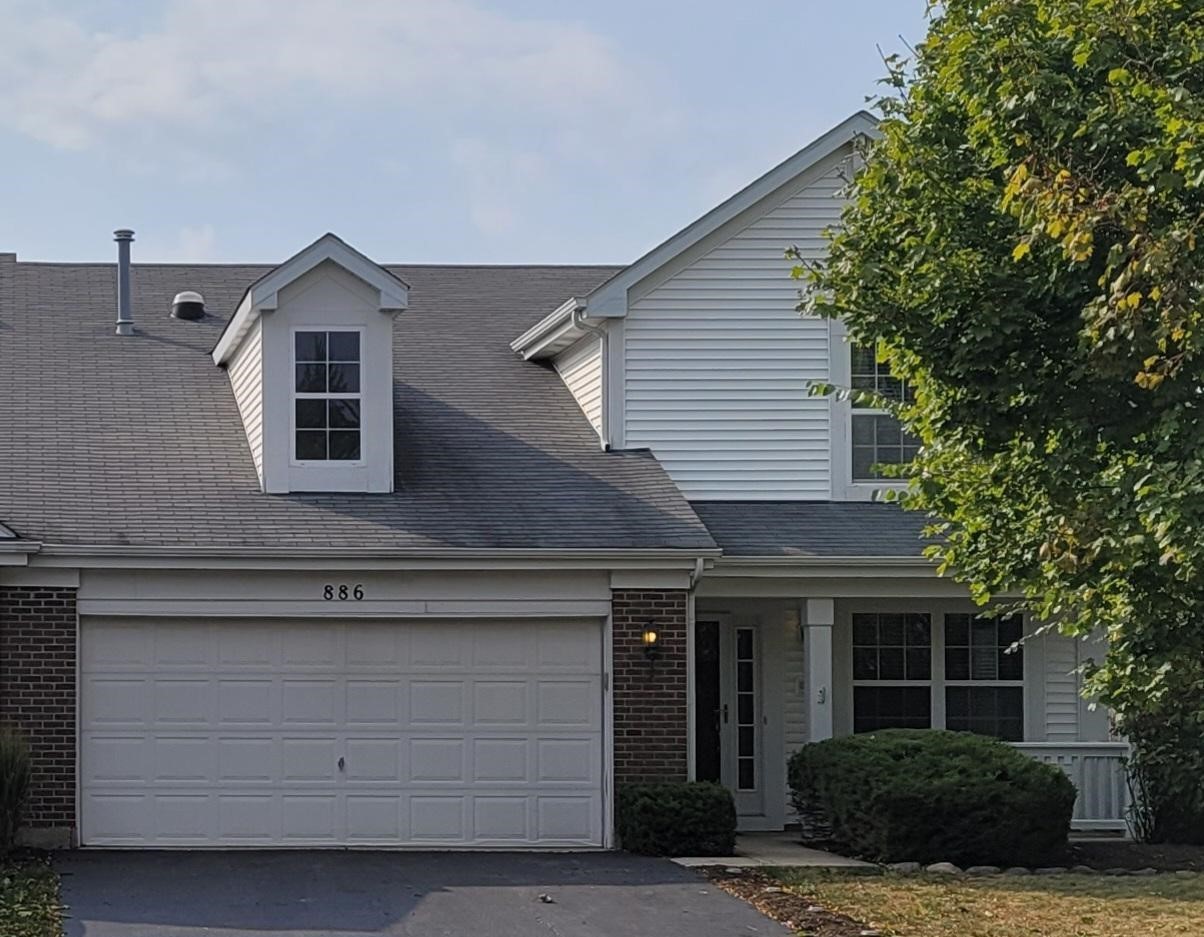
x=978 y=648
x=746 y=710
x=979 y=654
x=870 y=374
x=326 y=396
x=878 y=438
x=988 y=710
x=892 y=646
x=891 y=707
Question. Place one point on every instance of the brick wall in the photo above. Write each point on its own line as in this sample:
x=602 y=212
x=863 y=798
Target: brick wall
x=650 y=722
x=37 y=693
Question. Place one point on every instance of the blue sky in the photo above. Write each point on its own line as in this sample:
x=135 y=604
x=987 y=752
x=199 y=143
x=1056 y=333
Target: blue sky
x=484 y=131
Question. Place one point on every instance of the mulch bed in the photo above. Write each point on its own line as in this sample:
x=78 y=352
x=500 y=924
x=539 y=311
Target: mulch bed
x=1111 y=854
x=797 y=912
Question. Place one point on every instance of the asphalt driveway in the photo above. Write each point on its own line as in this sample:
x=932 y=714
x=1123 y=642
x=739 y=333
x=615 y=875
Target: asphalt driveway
x=338 y=894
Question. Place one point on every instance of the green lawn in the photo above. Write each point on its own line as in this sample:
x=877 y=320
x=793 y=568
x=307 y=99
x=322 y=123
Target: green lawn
x=29 y=898
x=1003 y=906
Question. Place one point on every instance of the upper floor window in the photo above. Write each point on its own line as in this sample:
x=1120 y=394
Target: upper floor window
x=878 y=438
x=326 y=367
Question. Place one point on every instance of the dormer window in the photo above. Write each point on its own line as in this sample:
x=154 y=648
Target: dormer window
x=326 y=405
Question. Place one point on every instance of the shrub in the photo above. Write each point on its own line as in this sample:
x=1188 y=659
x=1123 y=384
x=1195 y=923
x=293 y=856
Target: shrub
x=928 y=796
x=14 y=784
x=696 y=818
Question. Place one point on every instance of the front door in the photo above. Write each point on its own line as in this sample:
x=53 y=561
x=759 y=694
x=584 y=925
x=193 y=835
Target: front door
x=728 y=719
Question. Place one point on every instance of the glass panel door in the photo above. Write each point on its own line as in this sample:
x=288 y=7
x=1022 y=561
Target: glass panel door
x=741 y=718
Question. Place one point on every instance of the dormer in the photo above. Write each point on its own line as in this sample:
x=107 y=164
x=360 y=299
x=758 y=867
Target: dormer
x=309 y=352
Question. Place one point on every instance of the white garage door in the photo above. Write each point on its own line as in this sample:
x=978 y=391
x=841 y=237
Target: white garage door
x=253 y=733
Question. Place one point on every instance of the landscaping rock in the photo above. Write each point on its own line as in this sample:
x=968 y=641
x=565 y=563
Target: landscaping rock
x=1185 y=873
x=983 y=870
x=734 y=870
x=907 y=868
x=1017 y=870
x=1144 y=872
x=1082 y=869
x=1051 y=870
x=943 y=868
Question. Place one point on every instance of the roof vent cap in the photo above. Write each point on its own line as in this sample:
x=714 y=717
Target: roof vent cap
x=188 y=305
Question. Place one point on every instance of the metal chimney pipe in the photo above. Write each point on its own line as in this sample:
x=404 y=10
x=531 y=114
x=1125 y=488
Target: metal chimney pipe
x=125 y=319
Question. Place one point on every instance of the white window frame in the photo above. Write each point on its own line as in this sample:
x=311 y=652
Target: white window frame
x=937 y=683
x=844 y=486
x=295 y=395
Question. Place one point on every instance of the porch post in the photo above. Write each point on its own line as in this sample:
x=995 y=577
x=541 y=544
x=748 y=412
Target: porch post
x=817 y=654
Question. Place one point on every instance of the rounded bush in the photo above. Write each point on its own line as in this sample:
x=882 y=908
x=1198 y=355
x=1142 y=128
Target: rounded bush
x=696 y=818
x=930 y=795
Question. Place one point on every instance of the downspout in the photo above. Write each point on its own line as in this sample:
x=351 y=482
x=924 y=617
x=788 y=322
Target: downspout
x=577 y=320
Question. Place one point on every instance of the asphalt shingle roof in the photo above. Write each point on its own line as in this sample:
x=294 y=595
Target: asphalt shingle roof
x=138 y=441
x=812 y=528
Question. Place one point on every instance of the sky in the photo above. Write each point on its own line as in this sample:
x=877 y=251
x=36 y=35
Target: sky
x=420 y=131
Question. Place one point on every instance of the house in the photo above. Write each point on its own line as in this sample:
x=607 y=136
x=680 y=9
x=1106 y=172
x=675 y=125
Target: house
x=335 y=553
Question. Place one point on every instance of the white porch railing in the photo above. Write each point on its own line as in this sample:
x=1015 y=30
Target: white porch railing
x=1097 y=770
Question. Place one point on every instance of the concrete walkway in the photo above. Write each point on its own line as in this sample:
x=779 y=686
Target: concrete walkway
x=372 y=894
x=775 y=850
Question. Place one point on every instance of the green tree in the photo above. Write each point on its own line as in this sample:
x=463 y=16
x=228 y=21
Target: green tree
x=1024 y=245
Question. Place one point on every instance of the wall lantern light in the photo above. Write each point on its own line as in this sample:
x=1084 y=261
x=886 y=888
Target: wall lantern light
x=652 y=647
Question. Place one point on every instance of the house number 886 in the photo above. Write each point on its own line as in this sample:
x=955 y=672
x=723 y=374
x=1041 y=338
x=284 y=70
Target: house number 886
x=343 y=592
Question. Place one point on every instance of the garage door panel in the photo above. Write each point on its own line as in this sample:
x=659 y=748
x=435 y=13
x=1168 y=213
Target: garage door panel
x=243 y=646
x=183 y=702
x=183 y=817
x=183 y=759
x=501 y=702
x=118 y=645
x=501 y=760
x=310 y=818
x=439 y=647
x=437 y=702
x=566 y=759
x=568 y=703
x=117 y=701
x=438 y=819
x=248 y=819
x=566 y=818
x=187 y=647
x=117 y=759
x=309 y=760
x=247 y=701
x=449 y=734
x=314 y=702
x=310 y=646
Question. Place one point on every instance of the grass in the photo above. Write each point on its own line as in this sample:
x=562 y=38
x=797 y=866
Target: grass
x=1037 y=906
x=29 y=897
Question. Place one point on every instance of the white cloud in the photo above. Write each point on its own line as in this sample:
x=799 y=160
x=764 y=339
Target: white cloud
x=214 y=67
x=194 y=244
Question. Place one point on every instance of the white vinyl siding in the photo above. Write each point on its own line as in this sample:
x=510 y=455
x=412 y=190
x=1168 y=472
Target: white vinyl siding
x=718 y=360
x=580 y=367
x=246 y=378
x=1062 y=700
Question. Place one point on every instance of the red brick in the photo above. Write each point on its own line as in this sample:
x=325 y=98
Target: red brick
x=650 y=704
x=37 y=693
